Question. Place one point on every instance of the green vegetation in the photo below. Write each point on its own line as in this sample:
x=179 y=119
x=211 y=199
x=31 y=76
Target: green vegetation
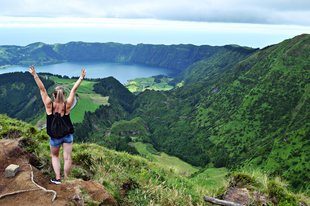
x=20 y=97
x=173 y=56
x=204 y=70
x=211 y=178
x=135 y=126
x=87 y=99
x=274 y=190
x=30 y=108
x=147 y=182
x=32 y=54
x=253 y=113
x=82 y=106
x=165 y=160
x=143 y=182
x=158 y=83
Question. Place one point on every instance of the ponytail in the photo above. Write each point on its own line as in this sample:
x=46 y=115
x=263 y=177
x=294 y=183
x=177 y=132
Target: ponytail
x=59 y=94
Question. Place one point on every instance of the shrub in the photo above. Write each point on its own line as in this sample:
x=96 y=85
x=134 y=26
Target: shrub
x=82 y=158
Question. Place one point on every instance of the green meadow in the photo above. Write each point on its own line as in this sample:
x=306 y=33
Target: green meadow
x=212 y=178
x=168 y=161
x=141 y=84
x=85 y=86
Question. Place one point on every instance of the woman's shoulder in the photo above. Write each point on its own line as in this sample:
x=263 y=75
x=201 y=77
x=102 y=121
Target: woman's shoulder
x=67 y=107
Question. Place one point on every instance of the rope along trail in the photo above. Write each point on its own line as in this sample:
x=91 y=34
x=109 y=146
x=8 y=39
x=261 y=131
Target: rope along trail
x=39 y=188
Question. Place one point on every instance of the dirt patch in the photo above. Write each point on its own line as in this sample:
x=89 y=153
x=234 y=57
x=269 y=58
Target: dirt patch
x=182 y=173
x=40 y=123
x=238 y=195
x=69 y=192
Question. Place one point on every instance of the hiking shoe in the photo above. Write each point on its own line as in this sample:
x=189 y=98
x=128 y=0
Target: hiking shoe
x=57 y=182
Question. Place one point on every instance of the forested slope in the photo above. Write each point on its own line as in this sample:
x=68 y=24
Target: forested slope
x=32 y=54
x=20 y=97
x=254 y=113
x=178 y=57
x=223 y=60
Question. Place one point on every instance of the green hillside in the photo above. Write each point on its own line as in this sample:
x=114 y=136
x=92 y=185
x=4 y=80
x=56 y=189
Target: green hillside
x=20 y=97
x=32 y=54
x=133 y=180
x=254 y=113
x=204 y=70
x=178 y=57
x=167 y=56
x=158 y=83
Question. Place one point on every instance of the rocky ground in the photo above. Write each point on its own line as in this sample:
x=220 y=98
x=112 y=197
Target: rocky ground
x=20 y=190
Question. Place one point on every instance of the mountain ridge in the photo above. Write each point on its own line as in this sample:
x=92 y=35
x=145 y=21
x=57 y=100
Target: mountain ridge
x=178 y=57
x=254 y=113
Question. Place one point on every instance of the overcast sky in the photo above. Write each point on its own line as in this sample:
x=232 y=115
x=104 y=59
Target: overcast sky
x=281 y=18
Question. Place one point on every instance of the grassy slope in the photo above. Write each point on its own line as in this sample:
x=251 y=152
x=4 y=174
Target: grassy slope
x=204 y=70
x=212 y=178
x=265 y=126
x=150 y=183
x=256 y=113
x=166 y=160
x=128 y=127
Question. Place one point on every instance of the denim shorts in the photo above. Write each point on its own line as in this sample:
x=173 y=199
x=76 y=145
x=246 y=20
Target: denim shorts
x=58 y=142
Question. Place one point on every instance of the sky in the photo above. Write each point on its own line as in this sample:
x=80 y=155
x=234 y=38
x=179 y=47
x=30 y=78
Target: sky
x=253 y=23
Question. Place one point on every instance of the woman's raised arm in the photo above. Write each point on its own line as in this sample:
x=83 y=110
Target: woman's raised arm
x=45 y=98
x=70 y=99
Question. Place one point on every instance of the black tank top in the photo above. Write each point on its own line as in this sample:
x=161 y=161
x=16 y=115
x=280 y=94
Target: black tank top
x=66 y=118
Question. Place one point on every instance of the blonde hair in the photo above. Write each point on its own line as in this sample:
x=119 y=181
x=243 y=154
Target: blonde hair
x=59 y=94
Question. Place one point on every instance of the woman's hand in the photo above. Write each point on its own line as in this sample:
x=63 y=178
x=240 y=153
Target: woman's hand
x=45 y=98
x=83 y=73
x=33 y=71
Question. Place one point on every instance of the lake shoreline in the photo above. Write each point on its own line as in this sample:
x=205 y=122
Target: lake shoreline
x=122 y=71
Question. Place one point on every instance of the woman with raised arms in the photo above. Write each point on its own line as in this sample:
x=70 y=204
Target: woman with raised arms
x=62 y=107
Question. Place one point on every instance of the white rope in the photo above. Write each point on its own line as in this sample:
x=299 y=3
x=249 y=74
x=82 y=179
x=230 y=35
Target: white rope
x=21 y=191
x=45 y=190
x=17 y=192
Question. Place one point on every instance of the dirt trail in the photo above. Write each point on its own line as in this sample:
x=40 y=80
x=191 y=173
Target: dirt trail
x=68 y=193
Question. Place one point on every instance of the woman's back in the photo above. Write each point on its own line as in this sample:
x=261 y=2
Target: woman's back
x=59 y=107
x=62 y=107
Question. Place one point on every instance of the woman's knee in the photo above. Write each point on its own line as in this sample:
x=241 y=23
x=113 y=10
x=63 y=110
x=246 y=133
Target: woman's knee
x=55 y=155
x=67 y=157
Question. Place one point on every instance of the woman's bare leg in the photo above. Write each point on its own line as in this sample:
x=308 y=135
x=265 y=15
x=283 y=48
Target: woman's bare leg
x=55 y=160
x=67 y=149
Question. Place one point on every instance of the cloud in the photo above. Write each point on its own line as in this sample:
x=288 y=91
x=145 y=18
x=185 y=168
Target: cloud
x=295 y=12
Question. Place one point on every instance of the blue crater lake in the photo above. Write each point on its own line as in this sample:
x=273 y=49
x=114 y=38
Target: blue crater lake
x=122 y=71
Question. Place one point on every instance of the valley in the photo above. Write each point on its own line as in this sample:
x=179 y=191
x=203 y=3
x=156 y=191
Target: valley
x=168 y=161
x=89 y=101
x=210 y=178
x=235 y=110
